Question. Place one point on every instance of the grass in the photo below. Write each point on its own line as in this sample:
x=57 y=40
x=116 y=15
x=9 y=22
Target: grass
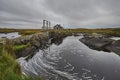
x=106 y=31
x=82 y=30
x=29 y=32
x=21 y=31
x=9 y=68
x=115 y=32
x=21 y=47
x=1 y=48
x=110 y=31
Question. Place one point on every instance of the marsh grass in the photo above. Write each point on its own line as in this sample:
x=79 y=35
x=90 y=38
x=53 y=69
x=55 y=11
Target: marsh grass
x=21 y=31
x=1 y=48
x=109 y=31
x=28 y=32
x=9 y=68
x=106 y=31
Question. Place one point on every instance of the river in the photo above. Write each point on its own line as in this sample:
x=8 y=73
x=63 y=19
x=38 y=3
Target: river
x=72 y=60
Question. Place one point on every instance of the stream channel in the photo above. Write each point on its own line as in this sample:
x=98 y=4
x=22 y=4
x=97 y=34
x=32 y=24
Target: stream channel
x=70 y=59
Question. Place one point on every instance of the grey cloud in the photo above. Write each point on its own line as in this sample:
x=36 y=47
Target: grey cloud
x=88 y=12
x=70 y=13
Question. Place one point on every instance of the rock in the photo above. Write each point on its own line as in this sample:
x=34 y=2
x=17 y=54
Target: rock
x=102 y=43
x=22 y=40
x=96 y=43
x=26 y=52
x=36 y=44
x=114 y=47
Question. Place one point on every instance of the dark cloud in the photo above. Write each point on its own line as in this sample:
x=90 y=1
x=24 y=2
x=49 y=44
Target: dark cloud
x=69 y=13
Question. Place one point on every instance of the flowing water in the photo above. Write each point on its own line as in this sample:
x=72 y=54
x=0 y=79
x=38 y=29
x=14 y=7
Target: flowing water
x=72 y=60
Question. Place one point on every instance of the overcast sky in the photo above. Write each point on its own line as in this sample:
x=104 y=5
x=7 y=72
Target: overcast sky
x=68 y=13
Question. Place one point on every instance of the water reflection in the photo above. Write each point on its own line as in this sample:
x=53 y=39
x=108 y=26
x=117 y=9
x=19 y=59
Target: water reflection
x=57 y=41
x=72 y=60
x=115 y=38
x=9 y=35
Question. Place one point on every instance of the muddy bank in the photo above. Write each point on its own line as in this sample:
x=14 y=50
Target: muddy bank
x=36 y=41
x=101 y=42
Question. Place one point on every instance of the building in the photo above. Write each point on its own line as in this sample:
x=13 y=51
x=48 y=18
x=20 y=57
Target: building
x=58 y=27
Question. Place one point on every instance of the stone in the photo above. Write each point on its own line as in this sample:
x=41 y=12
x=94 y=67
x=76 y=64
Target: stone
x=102 y=43
x=97 y=43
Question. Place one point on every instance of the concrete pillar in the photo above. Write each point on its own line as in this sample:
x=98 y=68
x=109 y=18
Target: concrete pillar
x=44 y=24
x=49 y=24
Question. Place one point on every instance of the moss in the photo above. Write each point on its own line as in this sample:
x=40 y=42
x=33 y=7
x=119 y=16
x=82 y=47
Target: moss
x=21 y=47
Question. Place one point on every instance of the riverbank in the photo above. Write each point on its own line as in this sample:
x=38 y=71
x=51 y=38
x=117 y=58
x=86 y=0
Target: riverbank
x=30 y=44
x=102 y=42
x=24 y=46
x=10 y=69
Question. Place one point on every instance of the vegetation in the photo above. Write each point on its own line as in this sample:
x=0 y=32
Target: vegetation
x=115 y=32
x=107 y=31
x=21 y=31
x=21 y=47
x=9 y=68
x=29 y=32
x=110 y=31
x=1 y=48
x=83 y=30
